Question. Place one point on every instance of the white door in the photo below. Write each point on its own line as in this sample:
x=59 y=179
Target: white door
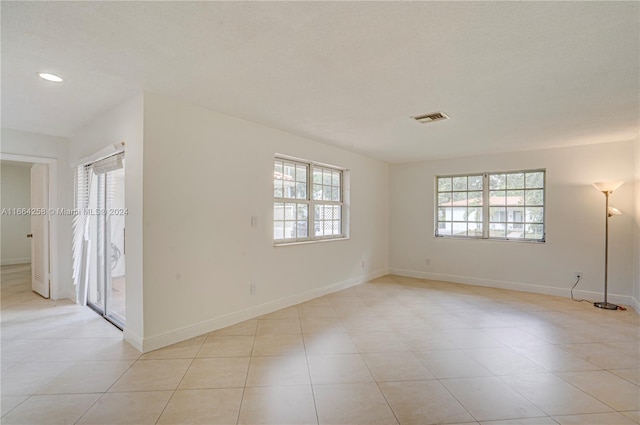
x=40 y=229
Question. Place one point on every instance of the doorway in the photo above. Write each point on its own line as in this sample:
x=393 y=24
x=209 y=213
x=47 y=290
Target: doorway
x=106 y=240
x=26 y=221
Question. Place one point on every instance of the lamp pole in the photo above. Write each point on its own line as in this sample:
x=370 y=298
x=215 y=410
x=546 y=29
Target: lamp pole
x=605 y=304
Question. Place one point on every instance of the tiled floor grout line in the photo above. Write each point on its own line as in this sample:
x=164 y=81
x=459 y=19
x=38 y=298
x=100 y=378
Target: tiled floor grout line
x=551 y=334
x=313 y=393
x=246 y=378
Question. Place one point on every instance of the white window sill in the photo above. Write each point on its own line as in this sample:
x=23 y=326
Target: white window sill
x=279 y=244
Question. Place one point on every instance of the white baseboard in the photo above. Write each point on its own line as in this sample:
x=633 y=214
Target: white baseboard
x=516 y=286
x=133 y=339
x=13 y=261
x=155 y=342
x=636 y=305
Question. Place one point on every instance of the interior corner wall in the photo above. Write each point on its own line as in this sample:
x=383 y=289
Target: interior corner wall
x=22 y=143
x=575 y=227
x=205 y=176
x=636 y=229
x=15 y=182
x=122 y=123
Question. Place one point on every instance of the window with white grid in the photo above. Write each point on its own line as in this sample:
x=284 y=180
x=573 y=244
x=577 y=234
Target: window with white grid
x=504 y=205
x=307 y=201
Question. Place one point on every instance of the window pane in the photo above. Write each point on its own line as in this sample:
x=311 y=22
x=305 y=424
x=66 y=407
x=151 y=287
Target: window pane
x=498 y=198
x=289 y=211
x=475 y=182
x=444 y=199
x=515 y=181
x=302 y=229
x=534 y=215
x=326 y=177
x=460 y=183
x=460 y=229
x=289 y=172
x=318 y=212
x=444 y=228
x=317 y=176
x=534 y=231
x=459 y=214
x=497 y=181
x=301 y=190
x=326 y=193
x=278 y=168
x=515 y=214
x=328 y=228
x=497 y=230
x=278 y=211
x=475 y=230
x=535 y=180
x=317 y=192
x=289 y=189
x=335 y=178
x=289 y=229
x=474 y=214
x=303 y=211
x=497 y=214
x=515 y=197
x=535 y=197
x=335 y=194
x=444 y=214
x=301 y=173
x=475 y=198
x=460 y=198
x=337 y=227
x=337 y=212
x=318 y=227
x=328 y=212
x=278 y=230
x=278 y=190
x=515 y=231
x=444 y=184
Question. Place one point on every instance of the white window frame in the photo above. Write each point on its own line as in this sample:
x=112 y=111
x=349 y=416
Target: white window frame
x=486 y=207
x=311 y=203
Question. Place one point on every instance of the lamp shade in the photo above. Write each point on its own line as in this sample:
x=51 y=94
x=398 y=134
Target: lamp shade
x=614 y=211
x=608 y=186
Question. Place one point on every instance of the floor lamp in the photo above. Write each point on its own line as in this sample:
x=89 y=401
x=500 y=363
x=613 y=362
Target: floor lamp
x=607 y=188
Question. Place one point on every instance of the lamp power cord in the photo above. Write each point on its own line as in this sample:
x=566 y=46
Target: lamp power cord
x=572 y=288
x=581 y=300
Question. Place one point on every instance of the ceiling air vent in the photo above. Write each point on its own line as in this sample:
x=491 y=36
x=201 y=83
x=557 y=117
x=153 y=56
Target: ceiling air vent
x=436 y=116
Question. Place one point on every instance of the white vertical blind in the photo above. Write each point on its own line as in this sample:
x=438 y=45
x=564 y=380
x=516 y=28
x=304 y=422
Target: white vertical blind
x=80 y=225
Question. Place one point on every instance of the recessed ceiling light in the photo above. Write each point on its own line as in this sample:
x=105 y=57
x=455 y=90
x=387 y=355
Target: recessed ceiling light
x=50 y=77
x=426 y=118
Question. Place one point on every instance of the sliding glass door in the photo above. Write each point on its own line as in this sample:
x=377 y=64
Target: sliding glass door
x=106 y=242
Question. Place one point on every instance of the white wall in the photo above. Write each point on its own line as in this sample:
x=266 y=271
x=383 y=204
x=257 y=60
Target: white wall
x=574 y=225
x=21 y=143
x=123 y=123
x=15 y=182
x=636 y=228
x=205 y=176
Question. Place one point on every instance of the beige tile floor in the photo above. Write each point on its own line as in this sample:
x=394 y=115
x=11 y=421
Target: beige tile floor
x=392 y=351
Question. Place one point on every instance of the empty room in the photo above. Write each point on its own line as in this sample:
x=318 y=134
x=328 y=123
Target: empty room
x=330 y=213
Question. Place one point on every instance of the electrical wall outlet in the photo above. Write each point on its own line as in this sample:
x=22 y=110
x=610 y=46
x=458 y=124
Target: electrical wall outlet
x=363 y=264
x=578 y=275
x=252 y=288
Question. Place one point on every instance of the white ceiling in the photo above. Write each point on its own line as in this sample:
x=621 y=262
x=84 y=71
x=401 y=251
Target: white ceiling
x=512 y=76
